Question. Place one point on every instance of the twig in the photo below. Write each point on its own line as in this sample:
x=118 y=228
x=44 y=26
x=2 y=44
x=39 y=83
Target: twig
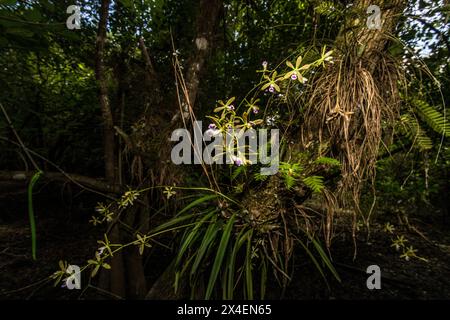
x=8 y=120
x=148 y=62
x=46 y=279
x=105 y=292
x=68 y=176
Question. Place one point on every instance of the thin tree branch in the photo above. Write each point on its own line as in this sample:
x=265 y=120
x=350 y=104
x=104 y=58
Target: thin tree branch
x=117 y=188
x=94 y=183
x=19 y=140
x=150 y=67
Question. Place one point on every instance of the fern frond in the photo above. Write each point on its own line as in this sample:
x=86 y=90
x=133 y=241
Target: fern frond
x=289 y=181
x=328 y=161
x=237 y=172
x=260 y=177
x=290 y=172
x=432 y=117
x=412 y=129
x=315 y=183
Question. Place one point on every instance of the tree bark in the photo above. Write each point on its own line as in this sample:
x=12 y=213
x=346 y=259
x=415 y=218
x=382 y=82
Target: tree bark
x=151 y=71
x=206 y=25
x=117 y=277
x=108 y=123
x=370 y=43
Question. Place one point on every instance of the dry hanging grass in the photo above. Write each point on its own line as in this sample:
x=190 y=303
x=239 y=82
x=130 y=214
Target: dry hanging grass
x=350 y=107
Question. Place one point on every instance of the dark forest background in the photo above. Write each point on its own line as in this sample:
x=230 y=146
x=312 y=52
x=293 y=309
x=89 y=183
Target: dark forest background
x=85 y=172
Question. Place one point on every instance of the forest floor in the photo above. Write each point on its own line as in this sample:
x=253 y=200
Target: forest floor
x=400 y=279
x=65 y=234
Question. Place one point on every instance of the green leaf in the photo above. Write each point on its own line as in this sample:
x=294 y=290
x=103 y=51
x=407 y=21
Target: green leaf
x=289 y=181
x=20 y=32
x=170 y=223
x=33 y=15
x=33 y=181
x=263 y=278
x=237 y=172
x=241 y=238
x=208 y=240
x=414 y=132
x=314 y=260
x=192 y=235
x=197 y=202
x=177 y=281
x=325 y=258
x=260 y=177
x=432 y=117
x=328 y=161
x=290 y=172
x=8 y=2
x=315 y=183
x=248 y=270
x=219 y=256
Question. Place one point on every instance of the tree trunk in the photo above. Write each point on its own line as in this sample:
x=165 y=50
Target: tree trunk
x=370 y=43
x=206 y=26
x=360 y=54
x=108 y=123
x=117 y=276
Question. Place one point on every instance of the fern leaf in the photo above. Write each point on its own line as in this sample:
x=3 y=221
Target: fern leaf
x=289 y=181
x=413 y=130
x=290 y=172
x=237 y=172
x=328 y=161
x=260 y=177
x=315 y=183
x=432 y=117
